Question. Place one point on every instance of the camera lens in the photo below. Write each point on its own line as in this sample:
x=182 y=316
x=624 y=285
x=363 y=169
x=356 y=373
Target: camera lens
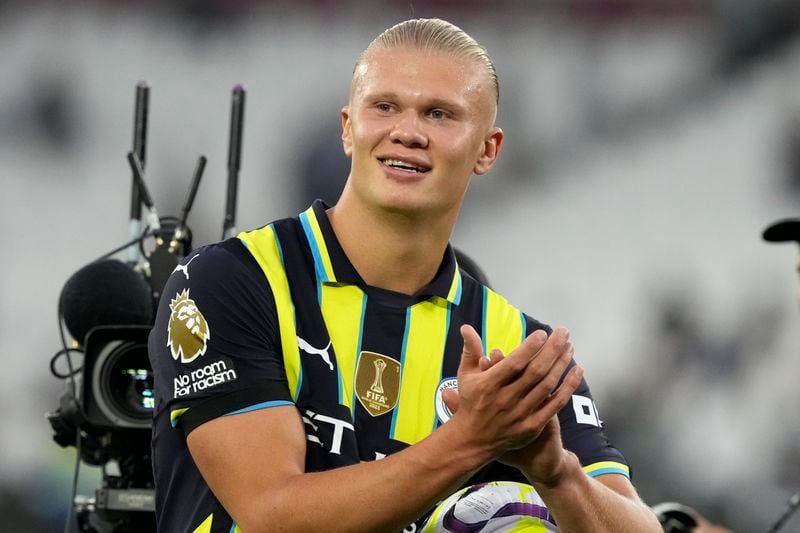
x=123 y=384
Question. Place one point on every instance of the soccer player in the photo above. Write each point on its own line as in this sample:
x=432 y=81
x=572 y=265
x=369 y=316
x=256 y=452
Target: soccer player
x=328 y=372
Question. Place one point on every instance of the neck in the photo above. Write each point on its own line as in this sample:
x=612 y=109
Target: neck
x=391 y=250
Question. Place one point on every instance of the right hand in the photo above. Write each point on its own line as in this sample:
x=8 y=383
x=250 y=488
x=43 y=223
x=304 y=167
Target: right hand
x=505 y=403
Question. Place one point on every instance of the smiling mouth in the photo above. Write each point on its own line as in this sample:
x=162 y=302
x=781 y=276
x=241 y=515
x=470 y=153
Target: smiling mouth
x=404 y=165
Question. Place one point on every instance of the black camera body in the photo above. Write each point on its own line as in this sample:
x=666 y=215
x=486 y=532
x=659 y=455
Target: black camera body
x=117 y=388
x=106 y=412
x=109 y=402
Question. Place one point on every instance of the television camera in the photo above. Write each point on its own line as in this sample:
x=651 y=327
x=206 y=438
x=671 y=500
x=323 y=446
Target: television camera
x=107 y=306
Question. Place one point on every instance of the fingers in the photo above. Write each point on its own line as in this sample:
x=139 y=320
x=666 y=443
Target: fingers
x=494 y=357
x=528 y=377
x=538 y=365
x=516 y=362
x=533 y=370
x=553 y=403
x=548 y=380
x=549 y=377
x=472 y=352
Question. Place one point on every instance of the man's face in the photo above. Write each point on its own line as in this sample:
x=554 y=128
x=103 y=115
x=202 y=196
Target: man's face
x=419 y=124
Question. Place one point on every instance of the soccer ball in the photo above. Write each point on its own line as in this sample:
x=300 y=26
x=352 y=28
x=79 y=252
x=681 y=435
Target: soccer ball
x=490 y=508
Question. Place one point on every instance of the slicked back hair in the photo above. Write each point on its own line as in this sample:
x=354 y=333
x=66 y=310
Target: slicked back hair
x=434 y=35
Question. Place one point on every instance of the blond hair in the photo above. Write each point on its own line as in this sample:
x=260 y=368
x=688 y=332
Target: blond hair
x=434 y=35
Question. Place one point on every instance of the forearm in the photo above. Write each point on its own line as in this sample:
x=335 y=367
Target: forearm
x=383 y=495
x=581 y=503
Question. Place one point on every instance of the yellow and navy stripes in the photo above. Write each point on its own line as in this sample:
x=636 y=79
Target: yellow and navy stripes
x=343 y=310
x=421 y=356
x=320 y=298
x=319 y=337
x=316 y=242
x=503 y=325
x=263 y=244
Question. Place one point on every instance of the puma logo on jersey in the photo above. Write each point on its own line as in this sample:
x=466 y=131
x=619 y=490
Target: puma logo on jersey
x=185 y=268
x=323 y=352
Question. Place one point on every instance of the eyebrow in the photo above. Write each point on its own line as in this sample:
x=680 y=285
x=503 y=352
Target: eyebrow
x=430 y=103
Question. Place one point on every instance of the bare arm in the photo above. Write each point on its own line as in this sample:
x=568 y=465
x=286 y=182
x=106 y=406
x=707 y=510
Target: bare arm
x=254 y=462
x=608 y=503
x=579 y=503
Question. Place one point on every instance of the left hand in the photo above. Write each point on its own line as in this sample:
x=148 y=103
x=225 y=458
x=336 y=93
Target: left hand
x=542 y=460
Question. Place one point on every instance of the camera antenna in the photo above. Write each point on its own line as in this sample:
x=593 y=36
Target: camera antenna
x=139 y=143
x=138 y=179
x=234 y=160
x=181 y=230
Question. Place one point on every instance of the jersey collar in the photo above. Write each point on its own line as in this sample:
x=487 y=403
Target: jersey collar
x=332 y=265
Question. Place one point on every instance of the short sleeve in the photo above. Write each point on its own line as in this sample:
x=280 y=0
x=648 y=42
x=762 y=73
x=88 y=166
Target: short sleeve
x=582 y=429
x=215 y=347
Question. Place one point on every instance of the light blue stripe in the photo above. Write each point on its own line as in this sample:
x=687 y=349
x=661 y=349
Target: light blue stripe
x=233 y=527
x=524 y=326
x=459 y=286
x=319 y=268
x=358 y=353
x=402 y=362
x=294 y=313
x=339 y=377
x=312 y=241
x=355 y=398
x=608 y=470
x=299 y=386
x=483 y=322
x=262 y=405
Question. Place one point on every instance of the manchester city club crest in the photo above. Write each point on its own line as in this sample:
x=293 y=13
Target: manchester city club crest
x=443 y=413
x=187 y=331
x=377 y=382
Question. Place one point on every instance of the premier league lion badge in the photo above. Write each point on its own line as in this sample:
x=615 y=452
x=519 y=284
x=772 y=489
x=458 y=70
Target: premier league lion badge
x=187 y=332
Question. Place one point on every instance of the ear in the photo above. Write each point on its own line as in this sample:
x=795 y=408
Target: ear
x=491 y=150
x=347 y=139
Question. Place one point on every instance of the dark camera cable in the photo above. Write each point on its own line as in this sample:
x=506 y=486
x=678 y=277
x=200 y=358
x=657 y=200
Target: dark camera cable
x=71 y=375
x=137 y=241
x=58 y=355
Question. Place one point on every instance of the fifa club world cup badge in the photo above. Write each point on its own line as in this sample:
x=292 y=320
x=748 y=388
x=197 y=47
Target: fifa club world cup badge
x=377 y=382
x=187 y=331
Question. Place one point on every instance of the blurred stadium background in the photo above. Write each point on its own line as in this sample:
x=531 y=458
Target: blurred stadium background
x=648 y=145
